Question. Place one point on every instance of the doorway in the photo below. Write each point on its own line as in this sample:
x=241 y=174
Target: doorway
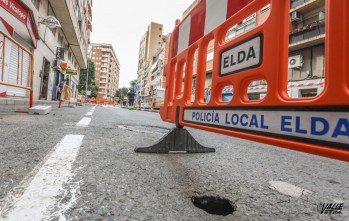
x=58 y=77
x=44 y=79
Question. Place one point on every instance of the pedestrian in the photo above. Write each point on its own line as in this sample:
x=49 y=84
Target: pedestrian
x=131 y=99
x=139 y=99
x=60 y=89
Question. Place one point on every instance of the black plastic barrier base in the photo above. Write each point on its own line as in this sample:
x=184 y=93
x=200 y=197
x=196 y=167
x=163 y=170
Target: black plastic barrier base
x=177 y=140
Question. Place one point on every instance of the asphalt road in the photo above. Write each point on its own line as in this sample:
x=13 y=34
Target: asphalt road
x=107 y=180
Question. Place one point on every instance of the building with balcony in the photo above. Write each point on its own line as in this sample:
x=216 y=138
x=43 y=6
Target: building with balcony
x=107 y=68
x=307 y=44
x=148 y=47
x=157 y=79
x=73 y=38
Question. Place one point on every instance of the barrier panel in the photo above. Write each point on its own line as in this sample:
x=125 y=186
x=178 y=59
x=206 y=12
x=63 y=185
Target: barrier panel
x=105 y=102
x=16 y=68
x=317 y=125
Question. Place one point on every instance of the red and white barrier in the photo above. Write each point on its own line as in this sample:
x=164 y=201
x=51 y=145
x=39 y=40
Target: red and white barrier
x=202 y=20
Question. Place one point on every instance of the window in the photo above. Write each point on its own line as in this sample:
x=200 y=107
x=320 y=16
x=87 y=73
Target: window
x=77 y=9
x=308 y=92
x=254 y=96
x=60 y=39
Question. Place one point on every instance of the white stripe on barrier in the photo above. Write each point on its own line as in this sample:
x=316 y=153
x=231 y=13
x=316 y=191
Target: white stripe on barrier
x=183 y=36
x=216 y=14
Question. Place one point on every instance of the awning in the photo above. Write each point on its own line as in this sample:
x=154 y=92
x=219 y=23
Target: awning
x=20 y=18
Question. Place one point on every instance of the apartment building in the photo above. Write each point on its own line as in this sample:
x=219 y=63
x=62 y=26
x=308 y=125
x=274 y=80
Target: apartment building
x=307 y=48
x=107 y=68
x=157 y=79
x=51 y=45
x=148 y=47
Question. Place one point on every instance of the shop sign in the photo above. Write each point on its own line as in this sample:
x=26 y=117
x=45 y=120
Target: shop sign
x=15 y=9
x=71 y=72
x=31 y=32
x=52 y=22
x=22 y=14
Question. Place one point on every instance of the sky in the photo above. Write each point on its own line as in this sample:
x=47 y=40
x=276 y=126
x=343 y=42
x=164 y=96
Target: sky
x=122 y=23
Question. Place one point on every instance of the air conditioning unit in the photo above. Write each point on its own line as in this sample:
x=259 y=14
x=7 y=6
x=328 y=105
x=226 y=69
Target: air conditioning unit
x=295 y=16
x=295 y=61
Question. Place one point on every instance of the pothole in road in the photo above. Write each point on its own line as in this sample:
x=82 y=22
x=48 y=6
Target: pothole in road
x=144 y=129
x=214 y=205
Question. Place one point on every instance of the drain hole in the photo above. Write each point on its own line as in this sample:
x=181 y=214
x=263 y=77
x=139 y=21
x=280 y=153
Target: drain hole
x=213 y=205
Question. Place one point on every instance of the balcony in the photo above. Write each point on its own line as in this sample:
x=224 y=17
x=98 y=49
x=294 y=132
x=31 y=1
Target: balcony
x=64 y=11
x=304 y=6
x=310 y=35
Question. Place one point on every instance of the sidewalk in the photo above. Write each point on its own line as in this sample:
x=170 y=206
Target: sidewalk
x=18 y=104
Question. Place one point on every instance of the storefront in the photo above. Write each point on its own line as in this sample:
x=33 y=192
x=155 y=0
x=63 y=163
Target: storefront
x=18 y=37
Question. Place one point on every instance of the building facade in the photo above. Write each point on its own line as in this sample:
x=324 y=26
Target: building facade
x=19 y=38
x=67 y=43
x=107 y=68
x=148 y=48
x=159 y=60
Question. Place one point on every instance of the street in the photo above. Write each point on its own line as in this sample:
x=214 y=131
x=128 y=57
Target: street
x=100 y=177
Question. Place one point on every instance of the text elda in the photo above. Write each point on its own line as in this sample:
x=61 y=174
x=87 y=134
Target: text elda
x=323 y=126
x=243 y=56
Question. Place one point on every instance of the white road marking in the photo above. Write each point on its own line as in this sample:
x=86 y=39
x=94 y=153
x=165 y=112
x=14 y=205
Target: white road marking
x=288 y=189
x=40 y=196
x=89 y=114
x=84 y=122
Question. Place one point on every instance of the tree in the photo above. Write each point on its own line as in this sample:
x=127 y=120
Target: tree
x=121 y=92
x=133 y=83
x=91 y=84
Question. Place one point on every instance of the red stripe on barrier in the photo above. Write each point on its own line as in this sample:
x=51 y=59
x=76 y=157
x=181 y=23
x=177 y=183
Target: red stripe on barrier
x=235 y=6
x=197 y=26
x=175 y=36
